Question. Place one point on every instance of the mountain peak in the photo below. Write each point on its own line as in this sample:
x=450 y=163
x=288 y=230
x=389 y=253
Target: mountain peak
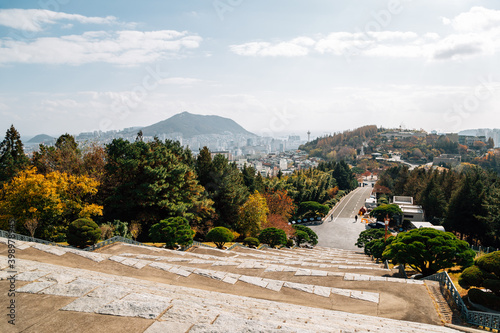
x=190 y=125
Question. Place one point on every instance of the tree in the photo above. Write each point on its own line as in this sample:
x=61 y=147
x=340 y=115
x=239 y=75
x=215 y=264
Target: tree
x=172 y=231
x=485 y=273
x=31 y=225
x=120 y=228
x=251 y=241
x=376 y=247
x=12 y=157
x=224 y=184
x=219 y=236
x=54 y=200
x=391 y=210
x=312 y=237
x=279 y=203
x=272 y=237
x=428 y=250
x=368 y=235
x=433 y=201
x=83 y=232
x=301 y=237
x=279 y=222
x=107 y=231
x=151 y=181
x=312 y=209
x=252 y=215
x=466 y=207
x=135 y=229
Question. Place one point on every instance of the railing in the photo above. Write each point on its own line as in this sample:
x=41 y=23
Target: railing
x=25 y=238
x=484 y=319
x=197 y=244
x=483 y=249
x=115 y=239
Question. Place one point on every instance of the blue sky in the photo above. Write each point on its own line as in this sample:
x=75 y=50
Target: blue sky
x=275 y=67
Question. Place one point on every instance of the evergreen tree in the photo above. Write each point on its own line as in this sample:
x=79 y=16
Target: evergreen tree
x=12 y=157
x=432 y=201
x=224 y=184
x=148 y=182
x=466 y=207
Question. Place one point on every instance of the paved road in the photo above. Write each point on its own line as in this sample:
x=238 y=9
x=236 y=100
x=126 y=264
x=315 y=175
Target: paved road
x=340 y=230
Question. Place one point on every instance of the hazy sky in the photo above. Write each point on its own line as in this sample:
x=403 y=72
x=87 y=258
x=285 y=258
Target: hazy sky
x=272 y=66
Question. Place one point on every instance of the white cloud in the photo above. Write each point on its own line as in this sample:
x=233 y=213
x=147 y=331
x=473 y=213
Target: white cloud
x=294 y=48
x=35 y=19
x=477 y=19
x=121 y=47
x=180 y=81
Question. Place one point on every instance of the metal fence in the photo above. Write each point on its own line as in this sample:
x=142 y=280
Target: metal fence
x=115 y=239
x=24 y=238
x=484 y=319
x=483 y=249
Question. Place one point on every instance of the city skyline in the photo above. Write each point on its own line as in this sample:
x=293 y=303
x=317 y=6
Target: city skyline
x=275 y=68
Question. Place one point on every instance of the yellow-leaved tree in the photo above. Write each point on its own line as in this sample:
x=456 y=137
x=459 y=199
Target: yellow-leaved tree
x=53 y=200
x=252 y=215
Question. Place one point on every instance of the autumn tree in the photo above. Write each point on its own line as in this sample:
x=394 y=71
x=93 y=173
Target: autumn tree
x=54 y=200
x=252 y=214
x=67 y=156
x=12 y=157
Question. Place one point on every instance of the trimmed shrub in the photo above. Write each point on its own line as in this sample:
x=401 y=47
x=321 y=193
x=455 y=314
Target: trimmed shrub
x=251 y=241
x=489 y=300
x=219 y=236
x=172 y=231
x=301 y=237
x=82 y=233
x=311 y=235
x=272 y=237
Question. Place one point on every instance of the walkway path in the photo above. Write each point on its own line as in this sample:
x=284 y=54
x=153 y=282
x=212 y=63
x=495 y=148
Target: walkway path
x=340 y=230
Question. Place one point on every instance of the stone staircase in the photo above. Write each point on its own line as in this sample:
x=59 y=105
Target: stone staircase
x=210 y=290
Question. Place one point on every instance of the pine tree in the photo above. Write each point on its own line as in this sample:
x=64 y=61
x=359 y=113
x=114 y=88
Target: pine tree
x=12 y=157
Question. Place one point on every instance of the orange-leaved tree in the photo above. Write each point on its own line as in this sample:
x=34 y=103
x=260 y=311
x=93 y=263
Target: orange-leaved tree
x=54 y=200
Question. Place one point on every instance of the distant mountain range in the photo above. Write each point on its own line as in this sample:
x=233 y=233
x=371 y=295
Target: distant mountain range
x=190 y=125
x=42 y=138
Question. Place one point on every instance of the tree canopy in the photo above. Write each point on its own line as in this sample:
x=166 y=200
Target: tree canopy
x=272 y=237
x=220 y=236
x=12 y=157
x=148 y=182
x=428 y=250
x=172 y=231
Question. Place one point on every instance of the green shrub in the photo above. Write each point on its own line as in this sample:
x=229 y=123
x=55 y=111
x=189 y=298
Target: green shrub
x=220 y=236
x=311 y=235
x=251 y=241
x=272 y=237
x=301 y=237
x=83 y=232
x=471 y=276
x=289 y=242
x=490 y=263
x=368 y=235
x=484 y=298
x=172 y=231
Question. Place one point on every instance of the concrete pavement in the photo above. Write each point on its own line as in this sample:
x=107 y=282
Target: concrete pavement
x=339 y=229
